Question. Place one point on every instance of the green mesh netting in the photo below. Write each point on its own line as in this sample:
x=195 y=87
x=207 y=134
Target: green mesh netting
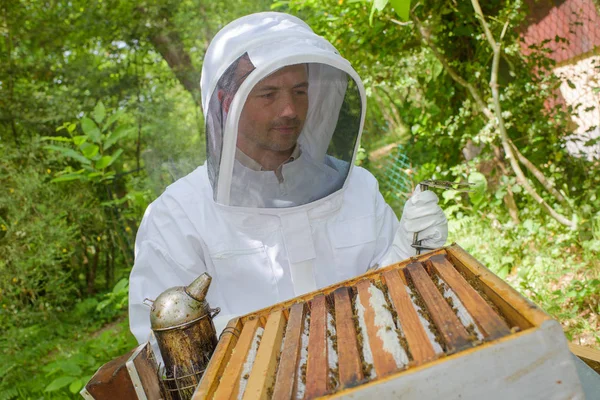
x=395 y=178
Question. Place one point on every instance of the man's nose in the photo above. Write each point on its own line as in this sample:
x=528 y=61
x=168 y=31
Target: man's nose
x=288 y=106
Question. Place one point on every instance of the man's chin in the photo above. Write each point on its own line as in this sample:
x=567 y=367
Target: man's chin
x=281 y=147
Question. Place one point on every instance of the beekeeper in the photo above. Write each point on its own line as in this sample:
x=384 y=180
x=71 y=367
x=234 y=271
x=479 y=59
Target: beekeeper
x=279 y=208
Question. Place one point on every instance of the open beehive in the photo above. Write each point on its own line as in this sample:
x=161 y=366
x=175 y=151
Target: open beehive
x=436 y=325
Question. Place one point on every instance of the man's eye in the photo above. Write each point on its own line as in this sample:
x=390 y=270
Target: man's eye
x=301 y=92
x=269 y=95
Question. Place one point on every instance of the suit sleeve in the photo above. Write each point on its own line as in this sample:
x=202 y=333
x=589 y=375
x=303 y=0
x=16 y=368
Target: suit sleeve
x=392 y=244
x=168 y=252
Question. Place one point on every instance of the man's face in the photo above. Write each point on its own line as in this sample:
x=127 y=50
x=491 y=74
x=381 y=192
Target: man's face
x=274 y=113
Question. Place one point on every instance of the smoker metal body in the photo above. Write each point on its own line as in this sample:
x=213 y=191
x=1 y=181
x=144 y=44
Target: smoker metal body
x=181 y=321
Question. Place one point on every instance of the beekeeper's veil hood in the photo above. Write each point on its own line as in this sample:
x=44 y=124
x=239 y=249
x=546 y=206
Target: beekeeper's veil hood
x=308 y=91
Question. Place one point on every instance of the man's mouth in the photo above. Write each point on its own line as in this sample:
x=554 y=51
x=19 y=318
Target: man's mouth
x=286 y=128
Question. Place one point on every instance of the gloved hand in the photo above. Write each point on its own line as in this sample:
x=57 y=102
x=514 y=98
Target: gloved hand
x=422 y=214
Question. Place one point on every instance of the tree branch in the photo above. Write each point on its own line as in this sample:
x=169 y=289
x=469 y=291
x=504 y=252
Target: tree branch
x=11 y=84
x=390 y=113
x=166 y=40
x=426 y=37
x=496 y=47
x=509 y=198
x=539 y=175
x=496 y=116
x=169 y=45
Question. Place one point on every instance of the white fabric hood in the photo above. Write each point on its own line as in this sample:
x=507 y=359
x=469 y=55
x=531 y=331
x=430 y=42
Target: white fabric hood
x=331 y=130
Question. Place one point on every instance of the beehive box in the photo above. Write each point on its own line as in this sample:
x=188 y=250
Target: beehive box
x=436 y=326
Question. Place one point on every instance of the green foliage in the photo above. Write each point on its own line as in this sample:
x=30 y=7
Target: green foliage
x=402 y=8
x=54 y=358
x=36 y=237
x=541 y=259
x=90 y=150
x=116 y=299
x=55 y=355
x=72 y=197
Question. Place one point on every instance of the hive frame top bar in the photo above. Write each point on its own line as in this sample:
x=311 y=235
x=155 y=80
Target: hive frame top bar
x=527 y=315
x=513 y=337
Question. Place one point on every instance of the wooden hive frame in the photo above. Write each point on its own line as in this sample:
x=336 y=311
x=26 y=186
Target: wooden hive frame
x=511 y=349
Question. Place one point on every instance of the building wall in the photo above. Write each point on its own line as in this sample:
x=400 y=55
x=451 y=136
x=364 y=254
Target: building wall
x=576 y=25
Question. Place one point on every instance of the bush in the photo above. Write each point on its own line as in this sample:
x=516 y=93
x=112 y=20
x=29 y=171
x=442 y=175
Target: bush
x=36 y=236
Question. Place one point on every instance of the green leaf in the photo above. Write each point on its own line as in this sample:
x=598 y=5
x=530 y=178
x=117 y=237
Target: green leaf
x=68 y=153
x=116 y=135
x=122 y=284
x=115 y=155
x=503 y=271
x=5 y=369
x=500 y=193
x=450 y=195
x=70 y=367
x=79 y=140
x=69 y=126
x=90 y=129
x=279 y=4
x=56 y=139
x=508 y=260
x=378 y=5
x=89 y=150
x=102 y=305
x=59 y=383
x=75 y=386
x=68 y=177
x=111 y=119
x=99 y=112
x=109 y=175
x=103 y=162
x=478 y=189
x=402 y=8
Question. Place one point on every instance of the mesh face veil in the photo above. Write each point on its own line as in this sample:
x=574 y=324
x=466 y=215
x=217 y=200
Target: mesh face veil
x=283 y=116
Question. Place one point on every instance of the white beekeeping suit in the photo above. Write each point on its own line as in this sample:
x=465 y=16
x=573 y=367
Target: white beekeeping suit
x=269 y=234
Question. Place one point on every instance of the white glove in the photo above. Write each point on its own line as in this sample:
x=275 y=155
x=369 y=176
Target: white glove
x=422 y=214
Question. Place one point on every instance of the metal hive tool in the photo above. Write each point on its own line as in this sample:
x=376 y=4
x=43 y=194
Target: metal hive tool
x=390 y=330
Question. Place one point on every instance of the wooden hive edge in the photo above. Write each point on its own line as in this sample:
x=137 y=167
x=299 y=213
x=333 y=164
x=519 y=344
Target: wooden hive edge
x=491 y=324
x=517 y=309
x=588 y=355
x=416 y=369
x=262 y=375
x=374 y=275
x=211 y=378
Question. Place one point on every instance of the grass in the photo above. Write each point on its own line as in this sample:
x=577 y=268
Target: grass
x=53 y=358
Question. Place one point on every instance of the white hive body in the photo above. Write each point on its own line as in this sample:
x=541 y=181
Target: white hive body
x=437 y=326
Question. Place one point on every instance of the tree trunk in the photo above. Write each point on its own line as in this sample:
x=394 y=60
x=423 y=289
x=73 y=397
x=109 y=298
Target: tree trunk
x=167 y=41
x=91 y=276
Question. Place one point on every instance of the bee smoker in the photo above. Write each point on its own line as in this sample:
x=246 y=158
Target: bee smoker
x=181 y=320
